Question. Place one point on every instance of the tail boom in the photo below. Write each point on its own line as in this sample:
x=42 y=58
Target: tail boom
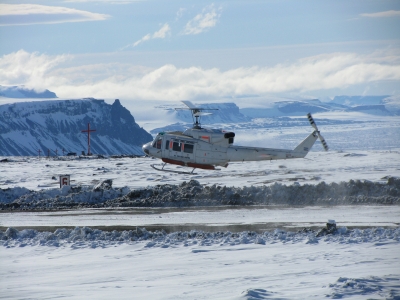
x=304 y=147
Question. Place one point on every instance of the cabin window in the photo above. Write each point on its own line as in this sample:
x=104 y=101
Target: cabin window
x=176 y=146
x=188 y=148
x=167 y=144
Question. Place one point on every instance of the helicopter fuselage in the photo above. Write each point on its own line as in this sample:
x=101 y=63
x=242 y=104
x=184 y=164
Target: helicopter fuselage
x=207 y=148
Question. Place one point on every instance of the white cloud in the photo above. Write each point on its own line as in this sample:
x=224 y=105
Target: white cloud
x=160 y=34
x=383 y=14
x=30 y=69
x=180 y=13
x=323 y=72
x=205 y=20
x=26 y=14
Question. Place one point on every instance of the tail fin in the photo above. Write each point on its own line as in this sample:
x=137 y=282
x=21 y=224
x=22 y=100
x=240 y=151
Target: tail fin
x=302 y=149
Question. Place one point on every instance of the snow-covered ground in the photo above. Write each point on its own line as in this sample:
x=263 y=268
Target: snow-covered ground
x=208 y=252
x=334 y=166
x=211 y=219
x=277 y=265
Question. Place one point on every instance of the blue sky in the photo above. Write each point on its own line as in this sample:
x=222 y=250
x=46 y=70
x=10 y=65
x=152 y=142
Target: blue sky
x=174 y=50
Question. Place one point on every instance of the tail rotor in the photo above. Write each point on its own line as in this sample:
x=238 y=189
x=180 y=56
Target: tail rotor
x=321 y=138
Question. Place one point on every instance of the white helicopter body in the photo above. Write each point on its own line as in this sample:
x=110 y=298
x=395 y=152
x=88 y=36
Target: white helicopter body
x=205 y=148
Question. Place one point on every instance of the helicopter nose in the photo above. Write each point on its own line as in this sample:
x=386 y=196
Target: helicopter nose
x=145 y=148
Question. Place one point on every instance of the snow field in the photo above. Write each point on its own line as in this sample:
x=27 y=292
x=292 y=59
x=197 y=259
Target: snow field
x=36 y=174
x=276 y=270
x=85 y=262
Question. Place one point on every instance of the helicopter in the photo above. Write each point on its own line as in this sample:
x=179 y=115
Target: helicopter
x=208 y=149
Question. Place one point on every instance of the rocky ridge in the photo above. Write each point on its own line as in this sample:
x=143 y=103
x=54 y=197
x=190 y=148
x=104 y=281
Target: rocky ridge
x=192 y=193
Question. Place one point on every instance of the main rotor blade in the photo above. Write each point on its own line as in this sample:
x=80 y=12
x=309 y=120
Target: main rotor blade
x=193 y=108
x=200 y=113
x=190 y=104
x=324 y=144
x=311 y=120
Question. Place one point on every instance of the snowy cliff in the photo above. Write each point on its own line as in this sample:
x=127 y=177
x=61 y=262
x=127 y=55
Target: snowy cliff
x=54 y=125
x=23 y=92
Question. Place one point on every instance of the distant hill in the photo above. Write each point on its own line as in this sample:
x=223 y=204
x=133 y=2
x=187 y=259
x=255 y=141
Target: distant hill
x=224 y=113
x=22 y=92
x=375 y=105
x=27 y=127
x=359 y=100
x=229 y=113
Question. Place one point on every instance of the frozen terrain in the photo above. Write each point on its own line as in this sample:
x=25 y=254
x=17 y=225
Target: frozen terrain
x=231 y=252
x=75 y=264
x=250 y=231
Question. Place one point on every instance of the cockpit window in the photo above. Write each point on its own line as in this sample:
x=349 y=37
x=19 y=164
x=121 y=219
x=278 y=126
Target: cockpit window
x=157 y=143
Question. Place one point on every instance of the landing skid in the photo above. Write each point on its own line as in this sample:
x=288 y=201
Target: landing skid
x=172 y=171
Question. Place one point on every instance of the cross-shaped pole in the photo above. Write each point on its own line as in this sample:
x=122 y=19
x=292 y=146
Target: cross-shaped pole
x=88 y=136
x=39 y=152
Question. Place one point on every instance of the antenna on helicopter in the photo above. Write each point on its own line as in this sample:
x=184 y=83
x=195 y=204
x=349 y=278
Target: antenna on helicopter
x=321 y=138
x=197 y=113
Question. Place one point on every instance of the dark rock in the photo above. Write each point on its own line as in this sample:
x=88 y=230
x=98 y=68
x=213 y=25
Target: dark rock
x=11 y=233
x=104 y=185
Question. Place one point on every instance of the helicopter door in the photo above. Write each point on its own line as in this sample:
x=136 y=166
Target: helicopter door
x=179 y=150
x=170 y=149
x=188 y=150
x=167 y=148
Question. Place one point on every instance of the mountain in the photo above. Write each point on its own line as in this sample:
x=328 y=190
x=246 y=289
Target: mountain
x=282 y=111
x=22 y=92
x=392 y=104
x=359 y=100
x=220 y=113
x=375 y=105
x=27 y=127
x=287 y=108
